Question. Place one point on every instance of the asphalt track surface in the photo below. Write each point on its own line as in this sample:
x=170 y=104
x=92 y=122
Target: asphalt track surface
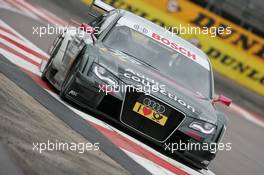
x=246 y=156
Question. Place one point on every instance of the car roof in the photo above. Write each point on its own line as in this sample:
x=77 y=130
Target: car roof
x=130 y=17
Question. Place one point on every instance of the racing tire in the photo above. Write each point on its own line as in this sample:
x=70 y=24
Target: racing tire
x=70 y=77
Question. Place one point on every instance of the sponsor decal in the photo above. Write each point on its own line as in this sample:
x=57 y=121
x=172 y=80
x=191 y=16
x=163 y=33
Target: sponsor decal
x=174 y=46
x=160 y=88
x=150 y=112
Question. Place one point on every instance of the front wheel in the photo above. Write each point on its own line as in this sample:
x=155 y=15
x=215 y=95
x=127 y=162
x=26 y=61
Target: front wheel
x=66 y=85
x=70 y=77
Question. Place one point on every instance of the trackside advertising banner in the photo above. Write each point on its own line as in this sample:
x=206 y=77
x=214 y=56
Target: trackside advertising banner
x=237 y=53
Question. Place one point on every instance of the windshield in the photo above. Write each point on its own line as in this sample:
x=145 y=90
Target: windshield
x=178 y=67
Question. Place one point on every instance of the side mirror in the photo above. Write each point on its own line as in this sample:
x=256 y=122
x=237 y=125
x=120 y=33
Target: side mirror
x=223 y=99
x=88 y=29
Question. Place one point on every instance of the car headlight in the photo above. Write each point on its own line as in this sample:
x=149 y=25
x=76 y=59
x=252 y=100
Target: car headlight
x=104 y=75
x=206 y=128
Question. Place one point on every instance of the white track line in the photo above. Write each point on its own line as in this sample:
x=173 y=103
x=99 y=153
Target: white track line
x=173 y=162
x=16 y=5
x=11 y=36
x=150 y=166
x=27 y=9
x=38 y=13
x=5 y=4
x=25 y=41
x=51 y=15
x=247 y=115
x=20 y=62
x=29 y=55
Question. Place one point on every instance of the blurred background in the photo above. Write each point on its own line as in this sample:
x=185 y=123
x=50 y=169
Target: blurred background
x=246 y=13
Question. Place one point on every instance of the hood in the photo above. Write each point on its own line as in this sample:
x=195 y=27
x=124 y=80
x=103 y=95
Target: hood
x=134 y=72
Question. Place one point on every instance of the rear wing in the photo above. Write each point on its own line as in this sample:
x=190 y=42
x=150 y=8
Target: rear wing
x=101 y=5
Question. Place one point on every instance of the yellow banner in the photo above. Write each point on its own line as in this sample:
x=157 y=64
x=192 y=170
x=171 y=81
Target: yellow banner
x=239 y=55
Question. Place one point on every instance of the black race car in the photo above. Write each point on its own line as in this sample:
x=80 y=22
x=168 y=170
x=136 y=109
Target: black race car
x=156 y=84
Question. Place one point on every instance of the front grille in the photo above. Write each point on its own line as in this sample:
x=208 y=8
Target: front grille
x=110 y=106
x=150 y=127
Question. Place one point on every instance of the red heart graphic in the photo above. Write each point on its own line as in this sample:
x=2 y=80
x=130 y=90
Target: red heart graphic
x=146 y=110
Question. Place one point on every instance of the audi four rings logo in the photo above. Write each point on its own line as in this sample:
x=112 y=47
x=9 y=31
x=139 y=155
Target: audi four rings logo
x=154 y=105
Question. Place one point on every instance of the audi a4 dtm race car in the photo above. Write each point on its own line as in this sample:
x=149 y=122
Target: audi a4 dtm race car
x=158 y=85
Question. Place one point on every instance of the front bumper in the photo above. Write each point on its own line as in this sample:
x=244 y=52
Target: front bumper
x=88 y=95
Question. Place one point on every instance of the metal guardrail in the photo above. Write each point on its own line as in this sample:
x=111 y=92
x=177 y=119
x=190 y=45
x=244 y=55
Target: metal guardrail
x=248 y=11
x=249 y=14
